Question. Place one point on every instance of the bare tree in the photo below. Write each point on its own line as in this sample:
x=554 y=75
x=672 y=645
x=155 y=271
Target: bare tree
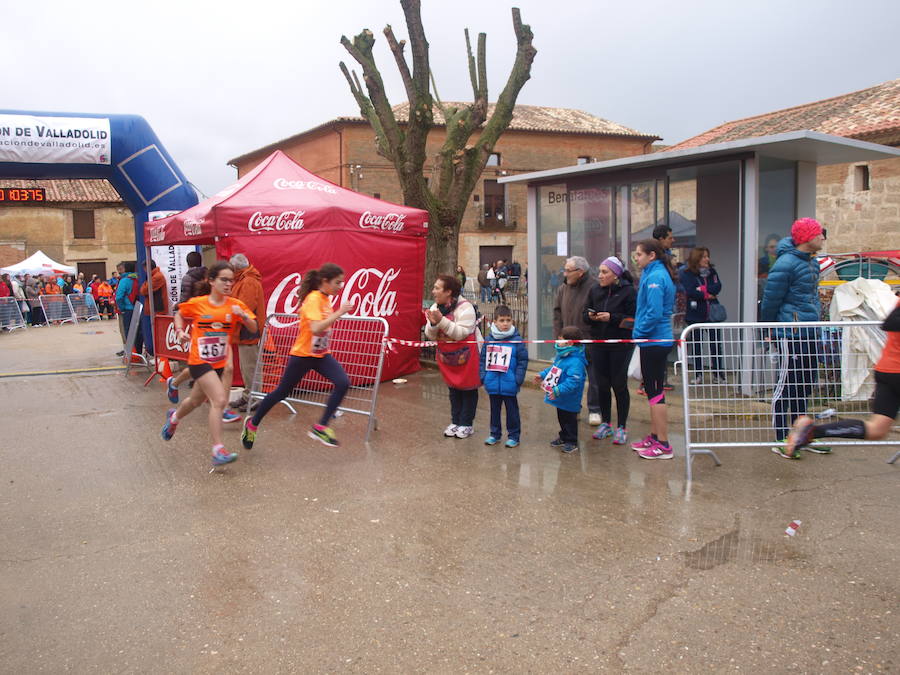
x=460 y=162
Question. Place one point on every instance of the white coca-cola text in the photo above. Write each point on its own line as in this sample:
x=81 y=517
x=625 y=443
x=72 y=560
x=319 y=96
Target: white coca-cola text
x=157 y=233
x=285 y=184
x=392 y=222
x=172 y=342
x=286 y=220
x=368 y=288
x=192 y=227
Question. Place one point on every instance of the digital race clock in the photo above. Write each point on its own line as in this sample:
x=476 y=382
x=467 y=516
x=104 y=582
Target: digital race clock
x=11 y=194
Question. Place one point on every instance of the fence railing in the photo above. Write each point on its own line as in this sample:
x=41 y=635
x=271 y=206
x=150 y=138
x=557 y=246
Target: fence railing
x=11 y=314
x=357 y=343
x=83 y=307
x=745 y=383
x=57 y=309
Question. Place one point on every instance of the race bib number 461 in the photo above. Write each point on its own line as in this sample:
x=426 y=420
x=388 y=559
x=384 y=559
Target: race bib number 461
x=497 y=358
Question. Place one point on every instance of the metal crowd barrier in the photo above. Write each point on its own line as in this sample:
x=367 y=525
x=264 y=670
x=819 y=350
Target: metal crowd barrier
x=83 y=306
x=745 y=383
x=133 y=328
x=11 y=314
x=57 y=308
x=358 y=344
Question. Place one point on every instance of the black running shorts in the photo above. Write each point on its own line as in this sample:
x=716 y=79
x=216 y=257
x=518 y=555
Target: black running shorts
x=199 y=371
x=887 y=394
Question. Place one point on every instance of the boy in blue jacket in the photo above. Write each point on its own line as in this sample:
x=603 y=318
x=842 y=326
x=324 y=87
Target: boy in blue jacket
x=564 y=384
x=504 y=360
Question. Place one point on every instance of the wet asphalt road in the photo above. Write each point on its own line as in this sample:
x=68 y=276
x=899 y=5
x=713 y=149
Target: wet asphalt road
x=123 y=553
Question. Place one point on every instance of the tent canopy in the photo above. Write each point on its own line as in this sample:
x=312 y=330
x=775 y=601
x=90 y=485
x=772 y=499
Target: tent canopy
x=280 y=197
x=38 y=263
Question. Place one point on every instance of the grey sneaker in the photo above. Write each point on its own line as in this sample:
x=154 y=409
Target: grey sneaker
x=556 y=443
x=569 y=448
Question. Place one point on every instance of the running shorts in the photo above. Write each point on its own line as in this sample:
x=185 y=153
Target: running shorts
x=887 y=394
x=202 y=369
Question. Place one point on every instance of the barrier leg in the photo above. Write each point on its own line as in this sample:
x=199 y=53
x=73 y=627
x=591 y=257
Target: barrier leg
x=894 y=458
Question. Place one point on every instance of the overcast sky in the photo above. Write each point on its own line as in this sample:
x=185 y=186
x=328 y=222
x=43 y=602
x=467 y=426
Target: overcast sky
x=216 y=80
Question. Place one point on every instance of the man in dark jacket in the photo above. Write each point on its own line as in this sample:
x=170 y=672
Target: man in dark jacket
x=792 y=294
x=248 y=289
x=569 y=311
x=196 y=272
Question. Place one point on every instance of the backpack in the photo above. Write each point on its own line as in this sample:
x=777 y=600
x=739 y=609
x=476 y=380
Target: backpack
x=133 y=291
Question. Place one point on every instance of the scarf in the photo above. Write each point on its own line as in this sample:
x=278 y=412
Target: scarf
x=498 y=334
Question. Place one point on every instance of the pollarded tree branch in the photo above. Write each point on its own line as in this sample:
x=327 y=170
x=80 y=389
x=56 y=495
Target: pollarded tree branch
x=402 y=66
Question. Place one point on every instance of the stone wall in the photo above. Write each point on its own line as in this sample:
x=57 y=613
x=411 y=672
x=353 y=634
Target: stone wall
x=860 y=220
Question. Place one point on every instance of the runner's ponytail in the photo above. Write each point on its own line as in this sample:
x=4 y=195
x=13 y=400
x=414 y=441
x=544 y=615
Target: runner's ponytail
x=314 y=278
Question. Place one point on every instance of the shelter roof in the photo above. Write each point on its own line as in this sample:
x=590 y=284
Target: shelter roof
x=71 y=190
x=533 y=118
x=871 y=114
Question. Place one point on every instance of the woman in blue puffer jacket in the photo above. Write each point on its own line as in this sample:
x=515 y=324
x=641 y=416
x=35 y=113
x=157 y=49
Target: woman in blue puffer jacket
x=702 y=286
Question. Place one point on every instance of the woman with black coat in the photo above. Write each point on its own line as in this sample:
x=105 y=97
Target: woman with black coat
x=702 y=286
x=609 y=312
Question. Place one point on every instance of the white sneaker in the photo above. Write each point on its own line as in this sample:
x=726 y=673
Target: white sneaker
x=450 y=431
x=594 y=419
x=464 y=432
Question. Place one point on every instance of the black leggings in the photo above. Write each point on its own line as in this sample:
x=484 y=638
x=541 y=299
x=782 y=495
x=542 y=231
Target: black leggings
x=609 y=365
x=297 y=366
x=654 y=362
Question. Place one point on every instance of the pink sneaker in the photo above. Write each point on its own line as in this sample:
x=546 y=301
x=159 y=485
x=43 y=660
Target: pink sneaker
x=643 y=443
x=656 y=451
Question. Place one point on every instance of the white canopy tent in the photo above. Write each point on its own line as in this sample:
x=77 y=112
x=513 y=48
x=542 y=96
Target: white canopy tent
x=38 y=263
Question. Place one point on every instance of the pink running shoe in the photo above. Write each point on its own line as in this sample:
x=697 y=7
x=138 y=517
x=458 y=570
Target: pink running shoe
x=643 y=443
x=656 y=451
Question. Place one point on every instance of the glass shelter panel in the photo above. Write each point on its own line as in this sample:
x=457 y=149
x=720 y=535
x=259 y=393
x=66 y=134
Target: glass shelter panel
x=553 y=243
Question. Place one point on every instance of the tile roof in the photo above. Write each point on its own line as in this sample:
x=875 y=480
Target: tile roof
x=70 y=190
x=525 y=118
x=871 y=114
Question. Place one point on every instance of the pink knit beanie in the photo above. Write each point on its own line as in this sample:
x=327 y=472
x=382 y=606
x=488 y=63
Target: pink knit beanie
x=804 y=230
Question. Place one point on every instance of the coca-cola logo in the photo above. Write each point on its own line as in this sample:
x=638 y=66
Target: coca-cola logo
x=315 y=186
x=286 y=220
x=392 y=222
x=172 y=342
x=157 y=233
x=193 y=228
x=368 y=288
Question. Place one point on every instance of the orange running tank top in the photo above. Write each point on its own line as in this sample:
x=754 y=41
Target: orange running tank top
x=212 y=329
x=316 y=306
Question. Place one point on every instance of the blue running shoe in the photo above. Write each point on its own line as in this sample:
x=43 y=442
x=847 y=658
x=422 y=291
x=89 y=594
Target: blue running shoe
x=491 y=440
x=229 y=416
x=512 y=443
x=169 y=427
x=222 y=456
x=171 y=390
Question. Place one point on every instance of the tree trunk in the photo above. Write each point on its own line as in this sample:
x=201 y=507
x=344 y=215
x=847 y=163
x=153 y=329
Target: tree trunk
x=443 y=247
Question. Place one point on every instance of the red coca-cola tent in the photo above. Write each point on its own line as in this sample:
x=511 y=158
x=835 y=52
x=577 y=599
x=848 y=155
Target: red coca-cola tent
x=287 y=220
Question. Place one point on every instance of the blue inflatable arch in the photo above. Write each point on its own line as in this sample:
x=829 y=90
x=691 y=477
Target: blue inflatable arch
x=123 y=149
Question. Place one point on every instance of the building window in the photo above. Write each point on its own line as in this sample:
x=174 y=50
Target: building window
x=583 y=160
x=861 y=178
x=493 y=159
x=494 y=203
x=83 y=224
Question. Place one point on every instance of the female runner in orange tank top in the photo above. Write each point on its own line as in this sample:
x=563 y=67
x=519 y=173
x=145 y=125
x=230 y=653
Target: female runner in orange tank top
x=215 y=318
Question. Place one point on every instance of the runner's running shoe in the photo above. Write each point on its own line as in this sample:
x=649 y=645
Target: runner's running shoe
x=817 y=448
x=323 y=435
x=781 y=449
x=248 y=433
x=222 y=456
x=603 y=431
x=171 y=390
x=620 y=436
x=643 y=444
x=799 y=435
x=169 y=427
x=656 y=451
x=229 y=416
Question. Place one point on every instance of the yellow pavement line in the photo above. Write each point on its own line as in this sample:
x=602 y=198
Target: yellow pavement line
x=63 y=372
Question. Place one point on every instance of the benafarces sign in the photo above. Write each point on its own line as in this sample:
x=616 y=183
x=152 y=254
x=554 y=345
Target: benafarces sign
x=589 y=195
x=54 y=140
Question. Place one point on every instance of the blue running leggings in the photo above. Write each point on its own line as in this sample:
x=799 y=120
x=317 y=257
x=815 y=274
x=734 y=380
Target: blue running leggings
x=297 y=366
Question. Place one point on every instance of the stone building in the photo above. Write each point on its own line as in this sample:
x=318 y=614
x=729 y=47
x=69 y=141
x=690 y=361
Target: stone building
x=82 y=223
x=858 y=203
x=343 y=151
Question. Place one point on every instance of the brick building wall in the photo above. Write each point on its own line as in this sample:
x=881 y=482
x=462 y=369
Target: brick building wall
x=27 y=229
x=858 y=219
x=345 y=153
